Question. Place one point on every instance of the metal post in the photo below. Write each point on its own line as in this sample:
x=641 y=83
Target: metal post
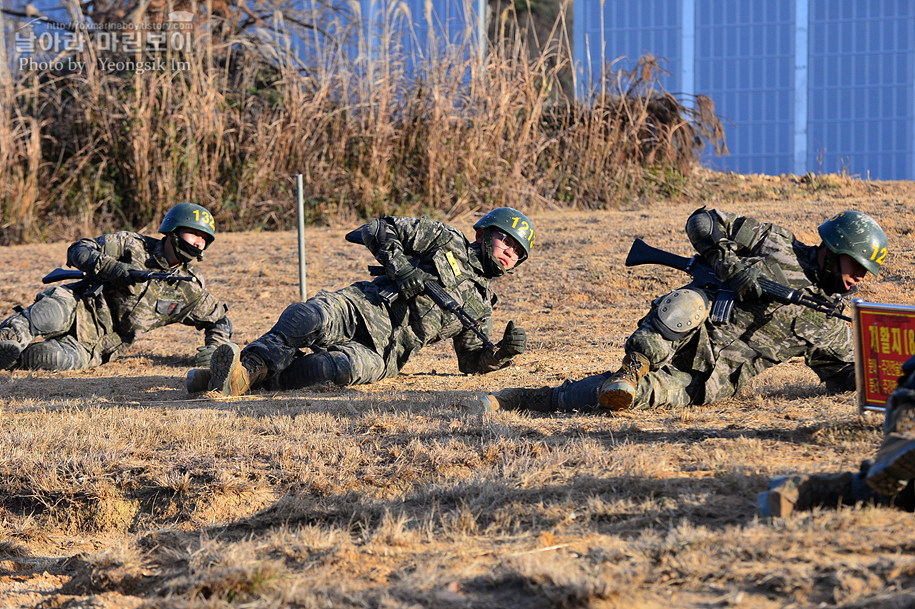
x=300 y=214
x=4 y=68
x=801 y=91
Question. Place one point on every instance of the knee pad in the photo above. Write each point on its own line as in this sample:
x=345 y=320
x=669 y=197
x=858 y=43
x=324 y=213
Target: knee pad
x=301 y=319
x=50 y=355
x=52 y=313
x=316 y=369
x=680 y=312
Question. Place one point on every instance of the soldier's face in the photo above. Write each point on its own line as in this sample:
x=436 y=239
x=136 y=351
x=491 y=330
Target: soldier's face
x=188 y=235
x=505 y=249
x=193 y=236
x=852 y=272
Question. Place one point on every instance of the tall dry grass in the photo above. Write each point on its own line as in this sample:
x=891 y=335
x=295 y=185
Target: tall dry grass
x=392 y=126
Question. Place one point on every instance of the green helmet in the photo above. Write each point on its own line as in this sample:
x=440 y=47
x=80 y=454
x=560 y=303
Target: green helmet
x=188 y=215
x=859 y=236
x=511 y=222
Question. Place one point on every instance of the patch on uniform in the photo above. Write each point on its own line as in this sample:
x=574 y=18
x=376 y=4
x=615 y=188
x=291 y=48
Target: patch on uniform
x=167 y=307
x=454 y=263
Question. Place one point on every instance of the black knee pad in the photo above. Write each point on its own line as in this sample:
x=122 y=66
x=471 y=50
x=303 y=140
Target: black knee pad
x=300 y=319
x=316 y=369
x=49 y=355
x=49 y=315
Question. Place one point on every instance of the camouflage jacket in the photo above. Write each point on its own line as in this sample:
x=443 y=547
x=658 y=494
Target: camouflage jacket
x=401 y=328
x=118 y=316
x=763 y=332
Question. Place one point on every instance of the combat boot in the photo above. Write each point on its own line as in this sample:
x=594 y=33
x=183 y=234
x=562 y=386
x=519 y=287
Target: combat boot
x=230 y=375
x=803 y=492
x=198 y=380
x=894 y=464
x=519 y=398
x=53 y=355
x=9 y=354
x=618 y=391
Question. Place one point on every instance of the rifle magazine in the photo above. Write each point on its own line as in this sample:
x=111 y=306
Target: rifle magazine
x=722 y=308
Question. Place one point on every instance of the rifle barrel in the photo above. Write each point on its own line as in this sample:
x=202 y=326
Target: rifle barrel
x=444 y=300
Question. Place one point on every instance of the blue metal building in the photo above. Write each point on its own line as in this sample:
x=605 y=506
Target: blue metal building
x=802 y=85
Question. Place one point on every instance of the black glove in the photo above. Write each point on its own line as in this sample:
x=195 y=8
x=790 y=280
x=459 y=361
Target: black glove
x=204 y=355
x=411 y=281
x=116 y=273
x=745 y=283
x=514 y=341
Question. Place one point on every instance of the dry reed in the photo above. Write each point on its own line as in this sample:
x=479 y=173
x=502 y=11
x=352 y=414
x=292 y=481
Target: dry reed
x=391 y=126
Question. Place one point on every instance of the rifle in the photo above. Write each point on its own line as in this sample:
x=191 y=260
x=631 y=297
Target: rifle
x=444 y=300
x=642 y=253
x=139 y=276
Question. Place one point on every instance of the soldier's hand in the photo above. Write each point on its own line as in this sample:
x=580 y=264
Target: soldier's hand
x=745 y=283
x=411 y=281
x=116 y=273
x=204 y=354
x=514 y=340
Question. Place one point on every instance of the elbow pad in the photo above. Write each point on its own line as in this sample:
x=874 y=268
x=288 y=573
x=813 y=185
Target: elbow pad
x=83 y=258
x=703 y=230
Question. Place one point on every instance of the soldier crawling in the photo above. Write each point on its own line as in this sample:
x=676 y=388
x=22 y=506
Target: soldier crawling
x=83 y=327
x=680 y=355
x=367 y=331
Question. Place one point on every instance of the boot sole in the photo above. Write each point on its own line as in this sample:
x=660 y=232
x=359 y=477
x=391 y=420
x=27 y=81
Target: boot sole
x=616 y=398
x=891 y=473
x=225 y=361
x=488 y=403
x=774 y=504
x=9 y=354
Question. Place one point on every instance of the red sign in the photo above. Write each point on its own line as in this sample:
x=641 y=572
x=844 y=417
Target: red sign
x=884 y=340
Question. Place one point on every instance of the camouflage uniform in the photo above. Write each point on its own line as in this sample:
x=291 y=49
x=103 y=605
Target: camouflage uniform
x=91 y=330
x=367 y=335
x=714 y=360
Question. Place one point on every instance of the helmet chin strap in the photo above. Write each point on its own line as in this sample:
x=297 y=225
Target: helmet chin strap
x=184 y=251
x=831 y=279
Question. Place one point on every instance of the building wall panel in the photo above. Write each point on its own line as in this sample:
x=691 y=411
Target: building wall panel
x=841 y=99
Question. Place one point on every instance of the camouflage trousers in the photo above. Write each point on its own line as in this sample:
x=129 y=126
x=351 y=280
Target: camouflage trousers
x=665 y=387
x=52 y=316
x=327 y=321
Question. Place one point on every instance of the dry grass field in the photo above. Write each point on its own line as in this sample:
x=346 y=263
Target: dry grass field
x=117 y=489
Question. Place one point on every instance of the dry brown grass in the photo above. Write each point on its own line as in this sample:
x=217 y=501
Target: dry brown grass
x=119 y=490
x=93 y=151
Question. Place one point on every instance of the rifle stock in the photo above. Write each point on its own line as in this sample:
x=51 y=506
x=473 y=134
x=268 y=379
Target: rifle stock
x=60 y=274
x=642 y=253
